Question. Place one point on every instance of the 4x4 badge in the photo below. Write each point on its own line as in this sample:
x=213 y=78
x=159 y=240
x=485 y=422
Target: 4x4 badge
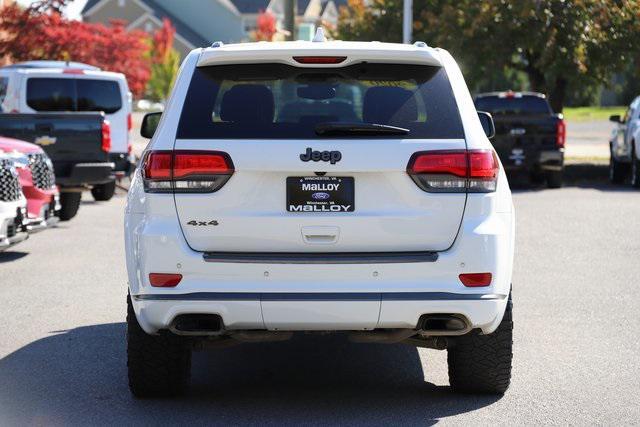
x=325 y=156
x=205 y=223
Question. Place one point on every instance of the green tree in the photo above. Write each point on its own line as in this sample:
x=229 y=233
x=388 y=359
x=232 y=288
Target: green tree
x=165 y=62
x=560 y=45
x=163 y=75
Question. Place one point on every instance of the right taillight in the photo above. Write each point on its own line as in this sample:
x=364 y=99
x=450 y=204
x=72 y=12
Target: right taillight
x=561 y=133
x=474 y=280
x=455 y=171
x=186 y=171
x=106 y=136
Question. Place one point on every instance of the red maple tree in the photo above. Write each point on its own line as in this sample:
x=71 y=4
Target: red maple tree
x=41 y=32
x=266 y=26
x=163 y=41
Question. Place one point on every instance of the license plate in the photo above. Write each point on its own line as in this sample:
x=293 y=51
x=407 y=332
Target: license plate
x=320 y=194
x=517 y=155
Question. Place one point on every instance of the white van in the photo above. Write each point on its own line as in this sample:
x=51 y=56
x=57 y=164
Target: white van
x=46 y=86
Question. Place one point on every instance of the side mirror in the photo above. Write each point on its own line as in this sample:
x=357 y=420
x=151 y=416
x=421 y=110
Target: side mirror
x=150 y=124
x=615 y=118
x=487 y=124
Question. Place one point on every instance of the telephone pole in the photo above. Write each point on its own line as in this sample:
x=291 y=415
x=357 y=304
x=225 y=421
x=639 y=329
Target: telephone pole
x=290 y=18
x=407 y=21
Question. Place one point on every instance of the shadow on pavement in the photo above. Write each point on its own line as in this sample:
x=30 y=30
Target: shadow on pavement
x=79 y=376
x=9 y=256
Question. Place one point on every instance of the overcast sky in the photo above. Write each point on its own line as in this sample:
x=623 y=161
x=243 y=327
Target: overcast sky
x=73 y=10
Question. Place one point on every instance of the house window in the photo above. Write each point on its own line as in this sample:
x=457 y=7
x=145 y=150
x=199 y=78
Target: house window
x=148 y=27
x=122 y=3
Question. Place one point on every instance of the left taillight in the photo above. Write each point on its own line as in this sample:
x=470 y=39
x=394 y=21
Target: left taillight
x=186 y=171
x=106 y=136
x=455 y=171
x=561 y=133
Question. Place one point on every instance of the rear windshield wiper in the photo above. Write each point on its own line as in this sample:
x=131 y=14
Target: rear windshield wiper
x=356 y=128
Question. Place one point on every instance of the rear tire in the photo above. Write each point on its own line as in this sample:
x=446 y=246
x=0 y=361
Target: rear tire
x=482 y=363
x=635 y=169
x=69 y=205
x=617 y=170
x=103 y=192
x=554 y=179
x=159 y=365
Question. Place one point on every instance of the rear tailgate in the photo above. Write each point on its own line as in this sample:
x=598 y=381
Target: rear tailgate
x=519 y=139
x=68 y=138
x=390 y=212
x=265 y=116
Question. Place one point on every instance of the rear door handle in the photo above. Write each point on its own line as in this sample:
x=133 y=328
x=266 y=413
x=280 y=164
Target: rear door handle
x=320 y=235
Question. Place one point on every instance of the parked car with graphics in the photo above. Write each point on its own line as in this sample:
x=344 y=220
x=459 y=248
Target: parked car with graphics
x=76 y=143
x=530 y=137
x=624 y=145
x=38 y=182
x=319 y=186
x=57 y=86
x=13 y=205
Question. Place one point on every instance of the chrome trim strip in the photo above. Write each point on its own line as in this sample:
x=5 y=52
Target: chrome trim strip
x=318 y=296
x=320 y=257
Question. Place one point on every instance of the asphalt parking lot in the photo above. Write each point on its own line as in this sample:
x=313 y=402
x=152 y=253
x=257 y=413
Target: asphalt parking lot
x=62 y=348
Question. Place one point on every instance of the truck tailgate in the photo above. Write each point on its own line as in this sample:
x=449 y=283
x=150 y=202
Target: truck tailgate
x=520 y=139
x=68 y=138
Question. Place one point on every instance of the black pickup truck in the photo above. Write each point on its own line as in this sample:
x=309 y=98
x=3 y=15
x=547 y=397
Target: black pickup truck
x=529 y=138
x=77 y=143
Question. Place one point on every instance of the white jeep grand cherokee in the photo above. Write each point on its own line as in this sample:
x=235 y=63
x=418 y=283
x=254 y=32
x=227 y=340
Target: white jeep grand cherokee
x=331 y=186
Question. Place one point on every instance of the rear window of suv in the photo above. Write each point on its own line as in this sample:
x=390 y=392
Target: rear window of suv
x=52 y=94
x=515 y=105
x=283 y=101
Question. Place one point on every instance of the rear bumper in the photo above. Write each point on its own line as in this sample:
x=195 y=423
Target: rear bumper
x=87 y=174
x=319 y=311
x=532 y=160
x=263 y=294
x=122 y=163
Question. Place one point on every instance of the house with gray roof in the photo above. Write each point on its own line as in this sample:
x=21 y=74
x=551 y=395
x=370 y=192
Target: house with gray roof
x=198 y=23
x=310 y=14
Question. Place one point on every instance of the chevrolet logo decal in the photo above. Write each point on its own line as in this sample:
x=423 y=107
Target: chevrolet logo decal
x=45 y=140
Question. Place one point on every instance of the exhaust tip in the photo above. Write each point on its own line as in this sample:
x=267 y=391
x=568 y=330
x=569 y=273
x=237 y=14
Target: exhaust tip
x=443 y=324
x=197 y=324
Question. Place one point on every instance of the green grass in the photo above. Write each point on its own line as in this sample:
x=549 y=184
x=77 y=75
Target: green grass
x=583 y=114
x=586 y=159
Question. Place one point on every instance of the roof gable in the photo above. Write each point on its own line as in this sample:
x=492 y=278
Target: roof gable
x=158 y=12
x=89 y=5
x=181 y=28
x=251 y=6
